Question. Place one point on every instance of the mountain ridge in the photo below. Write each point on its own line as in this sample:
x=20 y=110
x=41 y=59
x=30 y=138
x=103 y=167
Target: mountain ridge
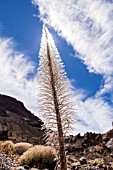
x=17 y=123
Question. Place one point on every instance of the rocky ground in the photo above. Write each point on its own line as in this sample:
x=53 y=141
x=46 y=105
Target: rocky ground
x=8 y=162
x=91 y=151
x=88 y=152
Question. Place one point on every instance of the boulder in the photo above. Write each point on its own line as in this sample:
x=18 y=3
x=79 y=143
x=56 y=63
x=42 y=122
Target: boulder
x=83 y=160
x=109 y=144
x=4 y=135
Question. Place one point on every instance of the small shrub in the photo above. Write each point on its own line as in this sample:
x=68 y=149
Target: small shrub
x=38 y=155
x=20 y=148
x=7 y=147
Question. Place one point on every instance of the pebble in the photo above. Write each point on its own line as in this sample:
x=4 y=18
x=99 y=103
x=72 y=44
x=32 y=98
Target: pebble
x=6 y=163
x=83 y=161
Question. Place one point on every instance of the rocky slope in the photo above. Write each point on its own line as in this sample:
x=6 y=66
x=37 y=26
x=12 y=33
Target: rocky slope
x=17 y=123
x=91 y=151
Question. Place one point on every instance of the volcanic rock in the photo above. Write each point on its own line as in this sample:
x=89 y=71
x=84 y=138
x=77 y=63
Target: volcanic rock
x=90 y=151
x=83 y=161
x=17 y=123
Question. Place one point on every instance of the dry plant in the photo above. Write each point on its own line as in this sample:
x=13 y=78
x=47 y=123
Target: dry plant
x=20 y=148
x=7 y=147
x=38 y=153
x=55 y=97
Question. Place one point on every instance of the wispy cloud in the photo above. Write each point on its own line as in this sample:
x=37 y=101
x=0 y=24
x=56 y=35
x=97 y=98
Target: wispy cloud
x=88 y=26
x=93 y=114
x=14 y=71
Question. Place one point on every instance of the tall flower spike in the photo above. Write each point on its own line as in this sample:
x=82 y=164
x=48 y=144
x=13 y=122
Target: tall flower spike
x=55 y=96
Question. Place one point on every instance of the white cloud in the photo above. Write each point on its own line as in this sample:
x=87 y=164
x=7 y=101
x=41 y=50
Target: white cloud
x=14 y=71
x=93 y=114
x=88 y=26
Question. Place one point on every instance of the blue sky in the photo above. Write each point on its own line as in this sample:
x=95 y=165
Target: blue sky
x=84 y=41
x=18 y=22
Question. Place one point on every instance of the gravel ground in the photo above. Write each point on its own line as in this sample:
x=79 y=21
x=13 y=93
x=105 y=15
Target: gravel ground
x=8 y=162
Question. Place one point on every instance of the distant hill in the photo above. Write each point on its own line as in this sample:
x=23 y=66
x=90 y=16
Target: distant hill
x=17 y=123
